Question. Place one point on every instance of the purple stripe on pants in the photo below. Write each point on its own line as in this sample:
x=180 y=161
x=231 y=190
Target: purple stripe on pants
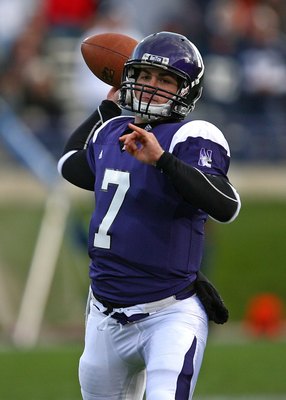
x=185 y=376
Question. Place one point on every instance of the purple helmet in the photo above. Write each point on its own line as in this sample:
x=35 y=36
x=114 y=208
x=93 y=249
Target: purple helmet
x=174 y=53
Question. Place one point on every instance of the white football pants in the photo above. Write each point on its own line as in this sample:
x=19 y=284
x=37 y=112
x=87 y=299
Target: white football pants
x=161 y=354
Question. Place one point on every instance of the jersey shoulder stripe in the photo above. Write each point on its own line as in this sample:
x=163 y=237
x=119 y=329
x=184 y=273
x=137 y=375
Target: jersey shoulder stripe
x=104 y=124
x=199 y=128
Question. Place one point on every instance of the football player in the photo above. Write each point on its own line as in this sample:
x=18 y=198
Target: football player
x=157 y=178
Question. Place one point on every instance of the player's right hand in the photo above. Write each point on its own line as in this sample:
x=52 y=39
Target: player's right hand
x=113 y=94
x=142 y=145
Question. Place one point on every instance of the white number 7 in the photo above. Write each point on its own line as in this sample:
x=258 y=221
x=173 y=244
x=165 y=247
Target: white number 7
x=122 y=180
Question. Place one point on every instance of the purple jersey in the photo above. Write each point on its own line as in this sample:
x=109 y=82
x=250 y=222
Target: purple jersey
x=145 y=241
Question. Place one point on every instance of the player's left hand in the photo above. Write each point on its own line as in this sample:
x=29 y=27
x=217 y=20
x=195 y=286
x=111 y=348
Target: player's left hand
x=142 y=145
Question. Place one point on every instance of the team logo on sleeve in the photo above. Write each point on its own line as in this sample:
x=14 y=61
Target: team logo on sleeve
x=205 y=159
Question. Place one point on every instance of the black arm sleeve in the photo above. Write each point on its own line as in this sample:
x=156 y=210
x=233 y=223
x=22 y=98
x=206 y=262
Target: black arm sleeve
x=74 y=167
x=210 y=193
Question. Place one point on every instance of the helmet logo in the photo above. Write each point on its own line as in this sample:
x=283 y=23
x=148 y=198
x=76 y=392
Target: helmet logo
x=185 y=91
x=153 y=59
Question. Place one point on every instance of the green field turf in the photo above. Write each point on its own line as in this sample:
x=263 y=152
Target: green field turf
x=41 y=374
x=250 y=370
x=249 y=254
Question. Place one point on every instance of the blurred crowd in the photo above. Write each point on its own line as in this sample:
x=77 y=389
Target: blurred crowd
x=46 y=83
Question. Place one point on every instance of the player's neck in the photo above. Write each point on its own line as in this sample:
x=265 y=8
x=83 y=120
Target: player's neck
x=139 y=120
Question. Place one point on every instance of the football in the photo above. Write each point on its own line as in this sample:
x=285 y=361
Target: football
x=105 y=55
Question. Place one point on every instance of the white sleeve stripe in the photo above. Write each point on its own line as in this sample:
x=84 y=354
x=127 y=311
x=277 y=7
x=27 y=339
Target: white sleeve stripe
x=100 y=115
x=91 y=134
x=213 y=186
x=236 y=200
x=94 y=128
x=232 y=218
x=63 y=159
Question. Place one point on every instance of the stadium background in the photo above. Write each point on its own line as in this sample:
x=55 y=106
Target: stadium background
x=45 y=92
